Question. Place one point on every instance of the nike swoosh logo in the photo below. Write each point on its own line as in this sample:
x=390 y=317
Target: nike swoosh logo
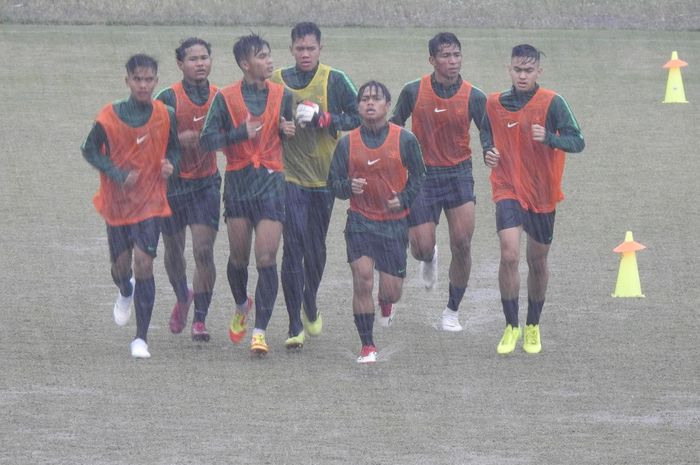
x=440 y=110
x=510 y=125
x=372 y=162
x=141 y=139
x=195 y=118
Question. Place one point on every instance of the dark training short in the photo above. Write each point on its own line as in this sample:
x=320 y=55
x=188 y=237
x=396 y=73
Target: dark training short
x=438 y=194
x=389 y=254
x=539 y=226
x=143 y=235
x=268 y=208
x=202 y=206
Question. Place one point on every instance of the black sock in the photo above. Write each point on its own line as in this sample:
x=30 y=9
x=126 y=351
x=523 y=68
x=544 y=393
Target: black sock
x=534 y=310
x=456 y=295
x=365 y=323
x=144 y=298
x=202 y=300
x=510 y=310
x=265 y=295
x=237 y=281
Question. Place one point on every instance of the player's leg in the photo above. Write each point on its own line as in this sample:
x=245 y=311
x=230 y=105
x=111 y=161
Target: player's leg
x=203 y=238
x=390 y=288
x=240 y=234
x=146 y=235
x=537 y=277
x=319 y=219
x=460 y=222
x=292 y=272
x=267 y=238
x=509 y=225
x=540 y=229
x=458 y=201
x=120 y=253
x=204 y=225
x=176 y=269
x=362 y=270
x=390 y=260
x=423 y=219
x=359 y=248
x=174 y=233
x=422 y=239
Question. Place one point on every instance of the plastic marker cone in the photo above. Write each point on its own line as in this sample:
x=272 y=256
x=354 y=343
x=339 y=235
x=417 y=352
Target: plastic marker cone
x=628 y=275
x=674 y=86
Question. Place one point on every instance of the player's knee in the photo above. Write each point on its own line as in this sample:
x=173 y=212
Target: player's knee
x=203 y=253
x=143 y=266
x=265 y=259
x=509 y=258
x=461 y=247
x=423 y=251
x=363 y=283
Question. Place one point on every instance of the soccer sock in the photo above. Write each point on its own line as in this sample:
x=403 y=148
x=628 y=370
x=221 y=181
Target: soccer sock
x=534 y=310
x=202 y=300
x=182 y=292
x=365 y=323
x=456 y=295
x=144 y=298
x=265 y=295
x=124 y=285
x=237 y=281
x=292 y=285
x=510 y=310
x=385 y=307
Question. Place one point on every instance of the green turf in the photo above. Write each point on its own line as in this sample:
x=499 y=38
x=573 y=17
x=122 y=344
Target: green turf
x=617 y=381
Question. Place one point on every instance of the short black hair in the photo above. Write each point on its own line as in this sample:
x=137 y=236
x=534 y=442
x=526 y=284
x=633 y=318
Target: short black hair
x=375 y=86
x=247 y=46
x=181 y=51
x=441 y=39
x=141 y=60
x=526 y=51
x=304 y=29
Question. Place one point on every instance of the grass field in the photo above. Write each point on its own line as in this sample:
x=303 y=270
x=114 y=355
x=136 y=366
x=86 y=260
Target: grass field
x=617 y=381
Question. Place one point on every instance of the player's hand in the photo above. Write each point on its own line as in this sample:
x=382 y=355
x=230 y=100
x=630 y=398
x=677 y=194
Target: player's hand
x=538 y=133
x=288 y=127
x=491 y=157
x=252 y=127
x=358 y=185
x=189 y=138
x=306 y=111
x=131 y=179
x=394 y=203
x=166 y=168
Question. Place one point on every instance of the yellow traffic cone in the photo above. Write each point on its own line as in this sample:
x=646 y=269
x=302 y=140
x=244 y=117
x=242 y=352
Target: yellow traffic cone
x=674 y=86
x=628 y=276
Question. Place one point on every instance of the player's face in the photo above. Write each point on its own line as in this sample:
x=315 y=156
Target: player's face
x=373 y=106
x=196 y=65
x=142 y=82
x=259 y=66
x=306 y=52
x=524 y=73
x=447 y=62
